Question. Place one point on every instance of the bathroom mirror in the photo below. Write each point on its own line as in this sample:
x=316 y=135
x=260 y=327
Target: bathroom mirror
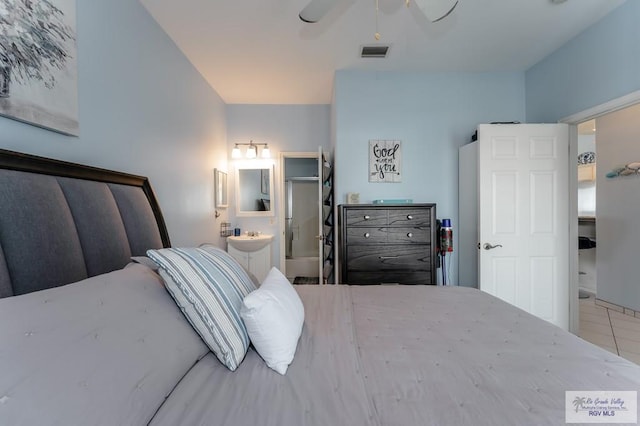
x=254 y=191
x=220 y=188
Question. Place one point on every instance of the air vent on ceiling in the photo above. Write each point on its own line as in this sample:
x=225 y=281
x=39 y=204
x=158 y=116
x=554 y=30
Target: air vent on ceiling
x=378 y=51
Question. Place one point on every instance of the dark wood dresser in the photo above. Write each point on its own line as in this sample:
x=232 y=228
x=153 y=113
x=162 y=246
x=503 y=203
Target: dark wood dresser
x=387 y=244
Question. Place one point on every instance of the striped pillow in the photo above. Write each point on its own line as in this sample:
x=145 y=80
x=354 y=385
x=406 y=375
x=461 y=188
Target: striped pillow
x=209 y=286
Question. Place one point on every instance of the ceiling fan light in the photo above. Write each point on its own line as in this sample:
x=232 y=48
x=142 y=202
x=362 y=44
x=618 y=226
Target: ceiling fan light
x=316 y=10
x=436 y=10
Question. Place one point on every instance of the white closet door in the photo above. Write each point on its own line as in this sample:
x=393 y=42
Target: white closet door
x=524 y=218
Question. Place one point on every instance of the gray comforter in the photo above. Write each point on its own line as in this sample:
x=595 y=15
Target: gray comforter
x=114 y=350
x=405 y=355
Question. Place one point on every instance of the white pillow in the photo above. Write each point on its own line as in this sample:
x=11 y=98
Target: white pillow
x=273 y=316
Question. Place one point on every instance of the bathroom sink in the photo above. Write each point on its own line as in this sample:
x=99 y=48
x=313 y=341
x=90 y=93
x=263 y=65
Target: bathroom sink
x=249 y=243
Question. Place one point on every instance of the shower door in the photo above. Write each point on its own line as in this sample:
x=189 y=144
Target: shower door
x=301 y=218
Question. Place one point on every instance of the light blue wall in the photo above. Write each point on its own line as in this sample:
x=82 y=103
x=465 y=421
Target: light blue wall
x=144 y=109
x=600 y=64
x=286 y=128
x=432 y=114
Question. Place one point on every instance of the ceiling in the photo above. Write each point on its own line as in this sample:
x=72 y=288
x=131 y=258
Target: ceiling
x=260 y=52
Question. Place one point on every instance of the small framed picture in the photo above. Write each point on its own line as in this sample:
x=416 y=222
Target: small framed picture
x=220 y=188
x=385 y=161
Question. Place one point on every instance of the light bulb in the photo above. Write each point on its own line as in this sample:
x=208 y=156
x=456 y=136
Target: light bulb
x=265 y=152
x=251 y=151
x=235 y=153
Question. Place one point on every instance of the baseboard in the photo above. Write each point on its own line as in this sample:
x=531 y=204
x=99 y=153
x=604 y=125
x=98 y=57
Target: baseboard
x=618 y=308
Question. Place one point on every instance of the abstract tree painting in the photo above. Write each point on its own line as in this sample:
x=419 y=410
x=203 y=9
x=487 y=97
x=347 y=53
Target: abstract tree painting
x=38 y=66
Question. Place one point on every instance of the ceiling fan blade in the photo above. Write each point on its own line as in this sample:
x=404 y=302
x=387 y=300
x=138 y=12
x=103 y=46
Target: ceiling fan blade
x=316 y=10
x=436 y=10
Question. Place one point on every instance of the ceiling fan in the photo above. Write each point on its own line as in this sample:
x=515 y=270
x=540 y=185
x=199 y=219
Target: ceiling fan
x=434 y=10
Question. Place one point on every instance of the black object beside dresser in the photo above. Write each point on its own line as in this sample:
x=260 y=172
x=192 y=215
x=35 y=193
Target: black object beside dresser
x=388 y=243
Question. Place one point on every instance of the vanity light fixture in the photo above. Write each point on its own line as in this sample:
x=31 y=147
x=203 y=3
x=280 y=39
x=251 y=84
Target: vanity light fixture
x=252 y=150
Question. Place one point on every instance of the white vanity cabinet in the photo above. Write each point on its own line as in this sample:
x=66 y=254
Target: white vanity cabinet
x=257 y=262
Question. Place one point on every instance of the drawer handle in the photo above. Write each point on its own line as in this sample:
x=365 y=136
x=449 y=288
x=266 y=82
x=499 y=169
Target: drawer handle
x=367 y=235
x=387 y=257
x=410 y=217
x=367 y=217
x=410 y=234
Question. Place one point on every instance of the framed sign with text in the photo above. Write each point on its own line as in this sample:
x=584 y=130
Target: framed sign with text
x=385 y=161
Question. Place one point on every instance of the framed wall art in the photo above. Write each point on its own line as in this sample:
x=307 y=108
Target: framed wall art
x=220 y=188
x=385 y=161
x=38 y=65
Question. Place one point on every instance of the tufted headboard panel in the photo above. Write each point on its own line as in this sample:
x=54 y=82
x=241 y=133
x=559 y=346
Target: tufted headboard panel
x=62 y=222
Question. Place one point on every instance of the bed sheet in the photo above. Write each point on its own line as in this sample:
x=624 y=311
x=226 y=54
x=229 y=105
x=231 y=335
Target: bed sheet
x=404 y=355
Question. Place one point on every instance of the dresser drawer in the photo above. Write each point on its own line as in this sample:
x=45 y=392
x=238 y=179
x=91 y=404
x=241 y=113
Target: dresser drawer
x=366 y=217
x=409 y=217
x=389 y=277
x=408 y=235
x=370 y=235
x=362 y=235
x=381 y=258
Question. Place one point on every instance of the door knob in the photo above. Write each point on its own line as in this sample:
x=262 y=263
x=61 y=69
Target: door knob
x=488 y=246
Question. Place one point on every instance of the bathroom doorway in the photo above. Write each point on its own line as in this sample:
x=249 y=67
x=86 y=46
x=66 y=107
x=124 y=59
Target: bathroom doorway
x=302 y=199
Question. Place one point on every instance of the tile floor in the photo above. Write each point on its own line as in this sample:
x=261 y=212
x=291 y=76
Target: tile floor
x=609 y=329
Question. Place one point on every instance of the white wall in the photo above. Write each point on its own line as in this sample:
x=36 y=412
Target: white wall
x=433 y=115
x=618 y=206
x=143 y=109
x=286 y=128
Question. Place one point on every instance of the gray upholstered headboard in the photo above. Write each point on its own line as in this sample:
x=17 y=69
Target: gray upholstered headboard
x=62 y=222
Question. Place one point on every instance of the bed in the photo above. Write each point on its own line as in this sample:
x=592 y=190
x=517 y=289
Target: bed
x=89 y=338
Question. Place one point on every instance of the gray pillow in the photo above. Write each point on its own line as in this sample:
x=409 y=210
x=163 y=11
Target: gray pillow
x=209 y=286
x=144 y=260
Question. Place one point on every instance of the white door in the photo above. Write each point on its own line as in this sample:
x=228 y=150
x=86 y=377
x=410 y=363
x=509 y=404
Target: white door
x=524 y=217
